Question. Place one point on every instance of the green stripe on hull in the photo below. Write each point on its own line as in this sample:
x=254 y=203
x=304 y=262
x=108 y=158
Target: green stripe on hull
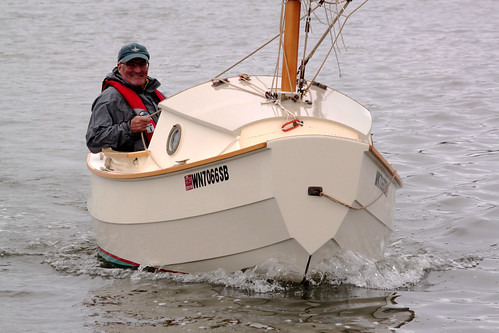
x=115 y=261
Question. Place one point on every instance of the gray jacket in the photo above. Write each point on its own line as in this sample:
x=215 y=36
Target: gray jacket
x=109 y=124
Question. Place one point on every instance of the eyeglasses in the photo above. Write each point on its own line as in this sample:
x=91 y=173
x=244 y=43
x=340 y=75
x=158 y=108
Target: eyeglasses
x=133 y=65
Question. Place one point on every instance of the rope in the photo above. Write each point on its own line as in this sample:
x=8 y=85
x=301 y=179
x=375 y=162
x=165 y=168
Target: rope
x=249 y=55
x=322 y=194
x=148 y=151
x=246 y=90
x=144 y=142
x=246 y=78
x=332 y=34
x=142 y=133
x=280 y=34
x=274 y=87
x=289 y=114
x=307 y=31
x=335 y=40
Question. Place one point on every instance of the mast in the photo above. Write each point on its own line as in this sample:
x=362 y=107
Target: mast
x=291 y=41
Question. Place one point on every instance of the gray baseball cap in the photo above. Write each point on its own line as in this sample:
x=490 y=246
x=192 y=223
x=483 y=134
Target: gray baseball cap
x=132 y=51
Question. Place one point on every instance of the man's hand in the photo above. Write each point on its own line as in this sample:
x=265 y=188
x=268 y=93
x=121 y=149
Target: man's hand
x=139 y=124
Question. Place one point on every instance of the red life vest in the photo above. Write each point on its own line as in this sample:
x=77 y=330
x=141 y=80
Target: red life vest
x=135 y=102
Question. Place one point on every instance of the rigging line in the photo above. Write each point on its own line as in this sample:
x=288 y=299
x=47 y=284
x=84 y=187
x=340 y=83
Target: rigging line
x=281 y=29
x=305 y=61
x=246 y=90
x=246 y=78
x=332 y=34
x=285 y=60
x=317 y=16
x=342 y=39
x=144 y=142
x=149 y=151
x=307 y=26
x=307 y=15
x=281 y=34
x=335 y=2
x=328 y=4
x=307 y=32
x=274 y=101
x=261 y=47
x=146 y=148
x=267 y=43
x=336 y=39
x=273 y=87
x=289 y=113
x=249 y=55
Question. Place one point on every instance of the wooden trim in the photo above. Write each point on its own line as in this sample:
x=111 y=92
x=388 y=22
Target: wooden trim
x=386 y=164
x=110 y=174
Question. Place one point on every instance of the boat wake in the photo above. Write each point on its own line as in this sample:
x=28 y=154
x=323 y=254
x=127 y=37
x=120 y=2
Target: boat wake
x=394 y=271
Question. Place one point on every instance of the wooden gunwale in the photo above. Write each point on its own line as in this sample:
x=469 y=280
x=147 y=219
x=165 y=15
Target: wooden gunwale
x=385 y=163
x=110 y=174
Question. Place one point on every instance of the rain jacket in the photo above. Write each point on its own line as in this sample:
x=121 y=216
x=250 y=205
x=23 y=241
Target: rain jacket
x=109 y=124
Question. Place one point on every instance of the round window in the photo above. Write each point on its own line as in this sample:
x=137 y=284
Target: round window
x=173 y=139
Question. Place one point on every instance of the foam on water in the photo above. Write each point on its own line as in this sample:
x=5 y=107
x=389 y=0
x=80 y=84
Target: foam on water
x=397 y=270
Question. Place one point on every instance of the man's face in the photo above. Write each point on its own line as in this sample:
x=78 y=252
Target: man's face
x=134 y=71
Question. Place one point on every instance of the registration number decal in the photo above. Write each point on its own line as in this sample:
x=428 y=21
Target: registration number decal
x=206 y=177
x=381 y=182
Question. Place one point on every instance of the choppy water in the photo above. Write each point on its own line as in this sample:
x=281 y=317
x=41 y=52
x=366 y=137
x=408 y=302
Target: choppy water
x=427 y=70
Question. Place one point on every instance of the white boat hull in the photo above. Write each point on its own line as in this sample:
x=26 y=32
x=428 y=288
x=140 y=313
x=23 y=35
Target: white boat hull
x=246 y=169
x=258 y=209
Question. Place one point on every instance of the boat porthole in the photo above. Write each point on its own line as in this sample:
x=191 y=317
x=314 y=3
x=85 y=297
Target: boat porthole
x=173 y=139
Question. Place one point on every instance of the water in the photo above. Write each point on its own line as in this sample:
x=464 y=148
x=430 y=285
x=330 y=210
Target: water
x=427 y=70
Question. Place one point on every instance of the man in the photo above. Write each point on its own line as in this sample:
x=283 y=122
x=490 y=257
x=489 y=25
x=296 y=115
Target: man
x=121 y=115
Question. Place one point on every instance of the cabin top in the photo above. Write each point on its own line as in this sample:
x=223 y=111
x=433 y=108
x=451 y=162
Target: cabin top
x=233 y=103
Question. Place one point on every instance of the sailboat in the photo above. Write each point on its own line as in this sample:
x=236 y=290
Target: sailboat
x=250 y=168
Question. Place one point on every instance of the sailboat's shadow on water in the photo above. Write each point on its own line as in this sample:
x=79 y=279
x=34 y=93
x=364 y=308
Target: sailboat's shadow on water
x=147 y=305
